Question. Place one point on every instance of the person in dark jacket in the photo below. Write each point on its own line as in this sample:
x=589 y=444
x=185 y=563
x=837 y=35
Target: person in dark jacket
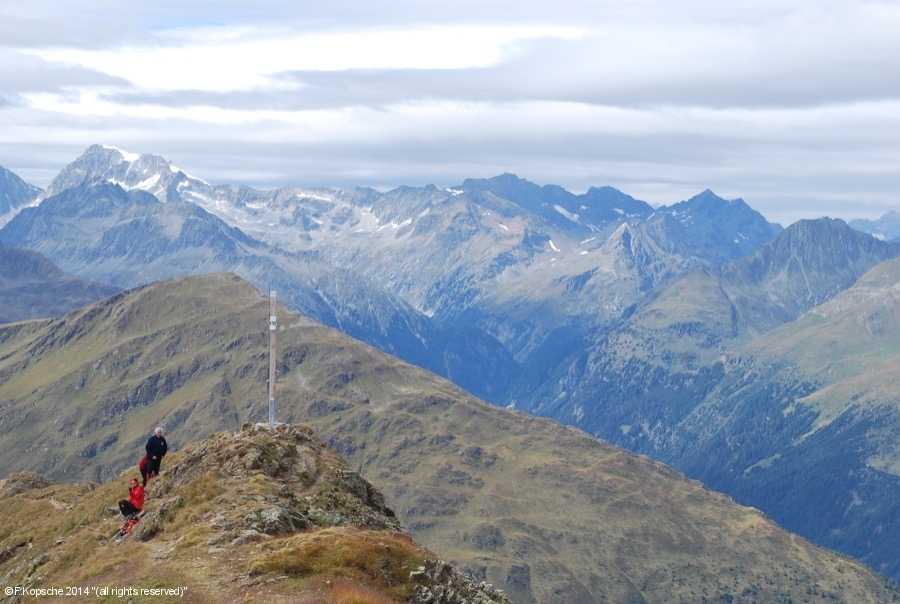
x=135 y=502
x=156 y=450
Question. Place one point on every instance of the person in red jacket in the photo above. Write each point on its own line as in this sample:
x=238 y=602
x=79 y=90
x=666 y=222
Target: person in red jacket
x=135 y=503
x=142 y=466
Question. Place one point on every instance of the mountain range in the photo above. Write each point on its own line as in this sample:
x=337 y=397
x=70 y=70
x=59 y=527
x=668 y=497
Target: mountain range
x=454 y=280
x=543 y=511
x=662 y=330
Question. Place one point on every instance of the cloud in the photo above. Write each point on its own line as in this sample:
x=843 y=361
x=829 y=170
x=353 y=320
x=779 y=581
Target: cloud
x=230 y=59
x=789 y=105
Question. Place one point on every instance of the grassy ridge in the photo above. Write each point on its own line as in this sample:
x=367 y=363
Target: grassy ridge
x=542 y=510
x=258 y=515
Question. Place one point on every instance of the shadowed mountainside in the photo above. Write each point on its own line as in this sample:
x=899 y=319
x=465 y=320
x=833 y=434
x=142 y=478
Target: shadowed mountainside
x=32 y=287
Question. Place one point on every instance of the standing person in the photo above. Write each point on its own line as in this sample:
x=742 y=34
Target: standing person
x=135 y=502
x=142 y=466
x=156 y=450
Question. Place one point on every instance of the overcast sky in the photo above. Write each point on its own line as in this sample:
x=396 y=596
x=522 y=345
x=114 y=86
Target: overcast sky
x=793 y=106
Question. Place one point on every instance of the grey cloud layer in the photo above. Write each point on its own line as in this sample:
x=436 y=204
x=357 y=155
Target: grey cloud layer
x=792 y=106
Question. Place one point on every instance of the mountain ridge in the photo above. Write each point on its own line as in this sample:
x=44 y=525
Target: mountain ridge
x=32 y=287
x=713 y=374
x=518 y=291
x=442 y=267
x=265 y=513
x=542 y=510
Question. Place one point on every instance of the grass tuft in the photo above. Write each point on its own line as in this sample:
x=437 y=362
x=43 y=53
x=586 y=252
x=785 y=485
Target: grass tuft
x=346 y=592
x=380 y=560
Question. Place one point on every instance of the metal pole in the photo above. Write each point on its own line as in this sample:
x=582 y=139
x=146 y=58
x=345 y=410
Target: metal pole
x=273 y=330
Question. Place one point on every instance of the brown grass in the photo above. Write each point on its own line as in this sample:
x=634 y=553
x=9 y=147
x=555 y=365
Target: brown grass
x=197 y=500
x=347 y=592
x=352 y=559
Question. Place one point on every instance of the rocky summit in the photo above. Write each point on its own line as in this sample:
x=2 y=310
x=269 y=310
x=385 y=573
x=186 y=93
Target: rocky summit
x=266 y=514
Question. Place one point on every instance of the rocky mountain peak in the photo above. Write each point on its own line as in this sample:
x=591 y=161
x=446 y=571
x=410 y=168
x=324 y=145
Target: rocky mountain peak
x=95 y=161
x=887 y=227
x=610 y=204
x=719 y=230
x=544 y=201
x=591 y=212
x=708 y=204
x=827 y=244
x=146 y=172
x=308 y=485
x=506 y=185
x=805 y=265
x=268 y=513
x=645 y=255
x=15 y=193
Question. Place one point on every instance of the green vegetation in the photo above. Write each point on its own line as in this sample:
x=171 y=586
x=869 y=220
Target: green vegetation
x=543 y=510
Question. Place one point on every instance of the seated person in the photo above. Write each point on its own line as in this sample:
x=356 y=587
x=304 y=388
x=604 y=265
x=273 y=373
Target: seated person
x=135 y=502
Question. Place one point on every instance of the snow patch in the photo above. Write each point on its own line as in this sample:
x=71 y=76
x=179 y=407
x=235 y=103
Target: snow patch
x=566 y=213
x=199 y=196
x=147 y=183
x=126 y=156
x=195 y=179
x=396 y=225
x=368 y=221
x=313 y=196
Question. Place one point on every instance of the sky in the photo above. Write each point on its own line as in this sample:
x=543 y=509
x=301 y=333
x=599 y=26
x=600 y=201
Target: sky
x=792 y=106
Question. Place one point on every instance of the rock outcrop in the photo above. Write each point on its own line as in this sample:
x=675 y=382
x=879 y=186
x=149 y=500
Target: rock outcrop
x=268 y=513
x=299 y=483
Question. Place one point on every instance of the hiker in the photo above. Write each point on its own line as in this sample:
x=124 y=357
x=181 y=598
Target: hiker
x=156 y=450
x=142 y=466
x=135 y=503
